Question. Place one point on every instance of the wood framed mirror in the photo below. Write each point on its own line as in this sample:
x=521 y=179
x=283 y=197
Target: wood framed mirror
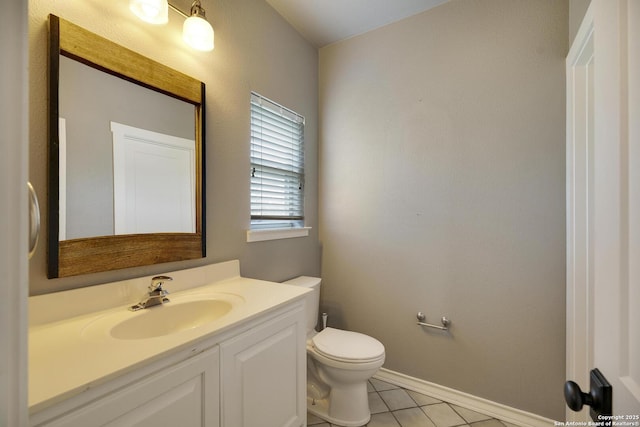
x=126 y=157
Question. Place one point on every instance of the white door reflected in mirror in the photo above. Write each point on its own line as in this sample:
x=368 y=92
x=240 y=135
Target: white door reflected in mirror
x=154 y=190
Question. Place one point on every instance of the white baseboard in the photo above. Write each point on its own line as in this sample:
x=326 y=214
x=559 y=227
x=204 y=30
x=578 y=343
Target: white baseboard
x=478 y=404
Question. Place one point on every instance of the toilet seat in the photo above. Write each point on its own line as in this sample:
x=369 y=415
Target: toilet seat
x=347 y=346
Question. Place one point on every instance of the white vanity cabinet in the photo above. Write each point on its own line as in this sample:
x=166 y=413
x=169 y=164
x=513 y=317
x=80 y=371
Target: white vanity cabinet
x=252 y=374
x=263 y=374
x=185 y=394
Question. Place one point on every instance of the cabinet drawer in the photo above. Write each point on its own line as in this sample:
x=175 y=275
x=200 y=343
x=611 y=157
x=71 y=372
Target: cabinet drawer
x=186 y=394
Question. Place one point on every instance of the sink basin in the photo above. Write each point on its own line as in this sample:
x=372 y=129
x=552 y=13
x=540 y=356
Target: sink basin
x=170 y=318
x=166 y=319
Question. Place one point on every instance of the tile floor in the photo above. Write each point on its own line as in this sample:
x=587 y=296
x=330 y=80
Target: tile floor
x=392 y=406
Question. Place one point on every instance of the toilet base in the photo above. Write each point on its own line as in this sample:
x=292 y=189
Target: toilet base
x=320 y=408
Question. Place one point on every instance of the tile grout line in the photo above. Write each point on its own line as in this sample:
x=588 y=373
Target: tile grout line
x=375 y=390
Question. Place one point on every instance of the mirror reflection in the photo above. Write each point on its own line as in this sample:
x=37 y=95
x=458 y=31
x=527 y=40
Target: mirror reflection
x=123 y=158
x=126 y=157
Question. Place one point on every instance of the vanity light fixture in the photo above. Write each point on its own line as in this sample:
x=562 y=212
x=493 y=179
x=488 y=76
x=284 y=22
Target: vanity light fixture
x=196 y=31
x=152 y=11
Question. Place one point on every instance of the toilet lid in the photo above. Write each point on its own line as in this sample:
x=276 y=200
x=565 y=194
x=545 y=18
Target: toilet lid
x=347 y=345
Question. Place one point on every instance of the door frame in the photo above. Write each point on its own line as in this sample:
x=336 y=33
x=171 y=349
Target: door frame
x=579 y=181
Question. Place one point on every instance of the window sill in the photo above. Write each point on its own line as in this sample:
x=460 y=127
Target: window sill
x=276 y=233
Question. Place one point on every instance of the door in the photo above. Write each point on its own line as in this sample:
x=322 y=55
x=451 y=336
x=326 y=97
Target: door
x=603 y=204
x=153 y=182
x=14 y=213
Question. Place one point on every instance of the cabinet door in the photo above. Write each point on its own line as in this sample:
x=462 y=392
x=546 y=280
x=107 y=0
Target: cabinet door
x=264 y=375
x=186 y=395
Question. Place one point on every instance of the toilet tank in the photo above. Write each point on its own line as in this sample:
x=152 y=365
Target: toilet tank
x=312 y=301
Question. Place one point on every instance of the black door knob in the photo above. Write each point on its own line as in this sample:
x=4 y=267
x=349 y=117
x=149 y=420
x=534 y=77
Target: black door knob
x=599 y=396
x=575 y=398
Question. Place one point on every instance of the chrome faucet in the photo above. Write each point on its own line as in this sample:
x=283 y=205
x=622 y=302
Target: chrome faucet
x=157 y=294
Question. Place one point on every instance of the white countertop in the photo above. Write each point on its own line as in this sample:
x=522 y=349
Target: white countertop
x=63 y=362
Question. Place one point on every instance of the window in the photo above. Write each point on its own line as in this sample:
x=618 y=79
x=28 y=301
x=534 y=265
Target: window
x=277 y=166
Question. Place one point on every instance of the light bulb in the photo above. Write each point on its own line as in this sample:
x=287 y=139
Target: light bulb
x=151 y=11
x=198 y=33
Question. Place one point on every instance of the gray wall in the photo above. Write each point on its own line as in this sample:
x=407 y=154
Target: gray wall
x=256 y=50
x=577 y=9
x=442 y=190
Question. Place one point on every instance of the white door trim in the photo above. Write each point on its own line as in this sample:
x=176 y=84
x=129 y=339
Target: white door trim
x=579 y=170
x=629 y=286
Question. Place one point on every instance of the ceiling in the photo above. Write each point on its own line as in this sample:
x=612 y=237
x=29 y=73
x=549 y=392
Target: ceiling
x=323 y=22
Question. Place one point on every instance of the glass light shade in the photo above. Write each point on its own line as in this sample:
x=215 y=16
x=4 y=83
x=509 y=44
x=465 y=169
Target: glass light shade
x=198 y=33
x=151 y=11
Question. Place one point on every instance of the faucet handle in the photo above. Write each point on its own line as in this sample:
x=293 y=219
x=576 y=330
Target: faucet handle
x=156 y=283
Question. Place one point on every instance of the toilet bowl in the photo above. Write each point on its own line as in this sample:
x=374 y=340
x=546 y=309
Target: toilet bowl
x=339 y=363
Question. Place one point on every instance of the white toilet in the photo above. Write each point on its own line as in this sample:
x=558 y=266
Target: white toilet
x=339 y=363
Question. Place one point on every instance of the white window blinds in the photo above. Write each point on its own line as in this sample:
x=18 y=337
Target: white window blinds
x=277 y=165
